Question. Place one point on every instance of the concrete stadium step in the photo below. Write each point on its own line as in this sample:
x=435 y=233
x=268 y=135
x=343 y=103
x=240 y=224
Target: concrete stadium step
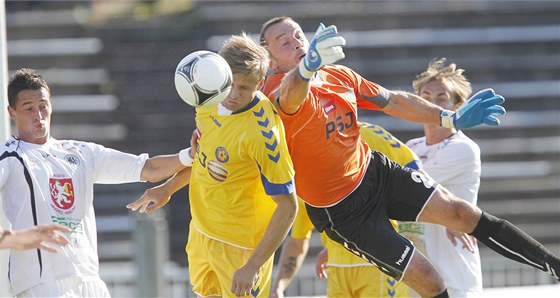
x=54 y=47
x=544 y=207
x=378 y=15
x=32 y=24
x=480 y=69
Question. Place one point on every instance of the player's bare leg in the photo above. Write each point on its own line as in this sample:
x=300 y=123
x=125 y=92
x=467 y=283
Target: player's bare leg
x=422 y=277
x=446 y=209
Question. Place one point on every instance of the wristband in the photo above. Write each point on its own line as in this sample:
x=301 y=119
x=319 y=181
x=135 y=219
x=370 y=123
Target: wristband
x=446 y=118
x=185 y=157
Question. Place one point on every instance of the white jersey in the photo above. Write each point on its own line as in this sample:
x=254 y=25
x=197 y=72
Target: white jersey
x=454 y=163
x=53 y=183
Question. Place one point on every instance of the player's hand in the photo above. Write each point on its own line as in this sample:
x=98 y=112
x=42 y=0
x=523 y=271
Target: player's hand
x=157 y=196
x=468 y=241
x=325 y=48
x=321 y=264
x=243 y=280
x=40 y=236
x=483 y=107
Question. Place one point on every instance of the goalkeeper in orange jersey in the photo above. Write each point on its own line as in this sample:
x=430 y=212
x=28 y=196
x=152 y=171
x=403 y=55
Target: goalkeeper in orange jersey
x=347 y=275
x=351 y=192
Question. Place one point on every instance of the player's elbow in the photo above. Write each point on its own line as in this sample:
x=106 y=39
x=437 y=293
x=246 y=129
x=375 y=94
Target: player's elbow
x=153 y=172
x=289 y=207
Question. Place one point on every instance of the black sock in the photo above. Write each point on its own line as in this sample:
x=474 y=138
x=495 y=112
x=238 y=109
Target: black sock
x=509 y=241
x=443 y=294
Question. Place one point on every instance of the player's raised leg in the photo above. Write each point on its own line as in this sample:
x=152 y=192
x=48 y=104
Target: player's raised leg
x=500 y=235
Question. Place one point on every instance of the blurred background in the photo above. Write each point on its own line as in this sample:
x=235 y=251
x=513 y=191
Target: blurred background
x=110 y=65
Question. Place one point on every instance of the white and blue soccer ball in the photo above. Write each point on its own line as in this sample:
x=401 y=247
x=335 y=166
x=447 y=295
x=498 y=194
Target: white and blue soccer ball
x=203 y=78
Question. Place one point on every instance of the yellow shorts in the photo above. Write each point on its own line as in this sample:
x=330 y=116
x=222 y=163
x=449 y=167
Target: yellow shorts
x=363 y=281
x=212 y=264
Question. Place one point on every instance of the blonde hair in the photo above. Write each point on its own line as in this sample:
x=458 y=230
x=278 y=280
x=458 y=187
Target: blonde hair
x=245 y=56
x=437 y=71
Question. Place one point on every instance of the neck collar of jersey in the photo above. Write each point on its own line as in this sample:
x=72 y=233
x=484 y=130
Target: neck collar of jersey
x=249 y=106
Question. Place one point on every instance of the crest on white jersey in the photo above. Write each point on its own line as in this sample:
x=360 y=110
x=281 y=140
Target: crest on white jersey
x=62 y=194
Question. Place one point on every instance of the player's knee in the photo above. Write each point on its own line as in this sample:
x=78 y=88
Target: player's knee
x=464 y=214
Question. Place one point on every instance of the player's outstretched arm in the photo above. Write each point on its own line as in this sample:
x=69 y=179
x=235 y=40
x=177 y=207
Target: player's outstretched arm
x=40 y=236
x=161 y=167
x=325 y=48
x=158 y=196
x=483 y=107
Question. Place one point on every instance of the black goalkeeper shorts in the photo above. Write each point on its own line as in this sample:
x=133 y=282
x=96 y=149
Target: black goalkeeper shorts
x=360 y=222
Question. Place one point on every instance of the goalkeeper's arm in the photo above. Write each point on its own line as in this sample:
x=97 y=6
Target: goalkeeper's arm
x=325 y=48
x=483 y=107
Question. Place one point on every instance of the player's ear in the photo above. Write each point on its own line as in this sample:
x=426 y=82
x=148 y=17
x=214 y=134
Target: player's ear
x=10 y=112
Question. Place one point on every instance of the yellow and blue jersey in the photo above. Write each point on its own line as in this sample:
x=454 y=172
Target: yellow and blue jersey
x=242 y=159
x=383 y=141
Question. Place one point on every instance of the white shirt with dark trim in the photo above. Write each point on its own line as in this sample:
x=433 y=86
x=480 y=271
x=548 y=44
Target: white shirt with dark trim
x=454 y=163
x=53 y=183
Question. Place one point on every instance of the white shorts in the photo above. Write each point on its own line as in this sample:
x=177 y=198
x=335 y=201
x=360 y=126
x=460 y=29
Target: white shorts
x=69 y=287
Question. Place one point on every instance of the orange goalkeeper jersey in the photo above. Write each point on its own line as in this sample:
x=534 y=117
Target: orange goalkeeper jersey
x=323 y=136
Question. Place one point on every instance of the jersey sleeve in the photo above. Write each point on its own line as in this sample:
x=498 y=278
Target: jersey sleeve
x=369 y=95
x=270 y=151
x=113 y=166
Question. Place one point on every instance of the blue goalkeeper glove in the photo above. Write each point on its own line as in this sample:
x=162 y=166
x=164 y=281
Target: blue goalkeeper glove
x=325 y=48
x=483 y=107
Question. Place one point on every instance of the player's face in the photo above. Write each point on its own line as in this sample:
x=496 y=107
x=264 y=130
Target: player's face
x=439 y=93
x=32 y=115
x=286 y=44
x=243 y=90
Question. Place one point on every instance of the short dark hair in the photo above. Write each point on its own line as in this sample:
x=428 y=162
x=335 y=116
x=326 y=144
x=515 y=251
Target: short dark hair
x=270 y=23
x=23 y=79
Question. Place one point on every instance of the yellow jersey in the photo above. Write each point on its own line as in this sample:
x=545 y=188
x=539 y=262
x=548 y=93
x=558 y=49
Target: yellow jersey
x=242 y=159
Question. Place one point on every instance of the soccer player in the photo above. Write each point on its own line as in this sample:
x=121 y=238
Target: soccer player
x=352 y=192
x=452 y=159
x=347 y=275
x=41 y=237
x=44 y=180
x=242 y=192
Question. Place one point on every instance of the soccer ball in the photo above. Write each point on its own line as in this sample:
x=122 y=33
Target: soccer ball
x=203 y=79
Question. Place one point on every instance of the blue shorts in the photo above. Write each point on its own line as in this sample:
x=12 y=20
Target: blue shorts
x=360 y=222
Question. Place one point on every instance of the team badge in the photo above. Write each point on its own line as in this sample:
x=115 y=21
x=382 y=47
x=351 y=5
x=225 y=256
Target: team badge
x=221 y=154
x=217 y=171
x=62 y=193
x=72 y=159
